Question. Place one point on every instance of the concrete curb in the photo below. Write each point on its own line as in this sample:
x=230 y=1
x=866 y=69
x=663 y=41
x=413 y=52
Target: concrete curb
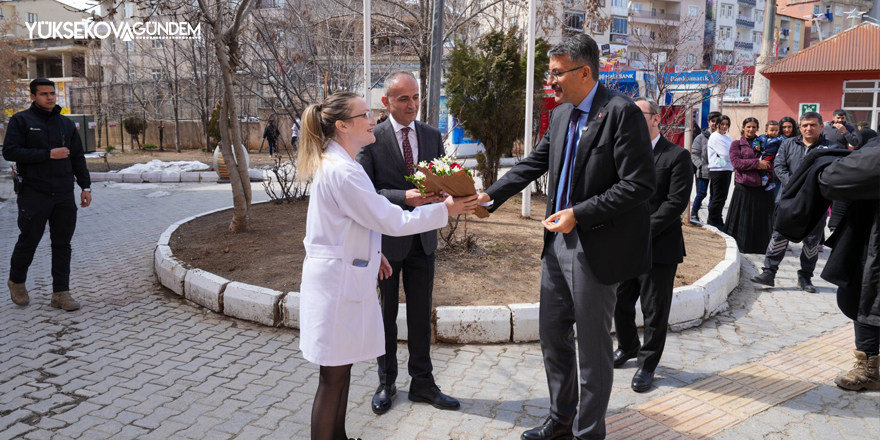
x=691 y=305
x=186 y=176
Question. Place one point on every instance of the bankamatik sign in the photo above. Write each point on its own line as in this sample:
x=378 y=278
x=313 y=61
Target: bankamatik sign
x=86 y=30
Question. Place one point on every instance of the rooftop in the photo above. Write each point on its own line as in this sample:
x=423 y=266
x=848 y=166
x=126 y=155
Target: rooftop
x=855 y=49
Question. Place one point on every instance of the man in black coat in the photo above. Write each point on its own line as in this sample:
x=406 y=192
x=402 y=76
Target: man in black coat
x=654 y=287
x=597 y=153
x=49 y=155
x=865 y=134
x=401 y=143
x=841 y=133
x=854 y=264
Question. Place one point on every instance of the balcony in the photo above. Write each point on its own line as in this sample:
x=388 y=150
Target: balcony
x=653 y=15
x=743 y=45
x=747 y=3
x=783 y=34
x=745 y=22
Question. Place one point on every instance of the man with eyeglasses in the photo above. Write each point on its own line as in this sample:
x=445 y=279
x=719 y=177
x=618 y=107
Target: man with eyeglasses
x=401 y=143
x=598 y=154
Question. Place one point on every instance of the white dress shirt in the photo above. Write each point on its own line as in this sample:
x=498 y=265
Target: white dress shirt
x=413 y=139
x=654 y=141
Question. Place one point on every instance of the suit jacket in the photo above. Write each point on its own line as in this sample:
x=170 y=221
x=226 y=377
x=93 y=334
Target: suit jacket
x=674 y=184
x=612 y=180
x=383 y=162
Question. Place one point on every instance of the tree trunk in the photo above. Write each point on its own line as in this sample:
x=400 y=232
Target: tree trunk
x=177 y=118
x=230 y=139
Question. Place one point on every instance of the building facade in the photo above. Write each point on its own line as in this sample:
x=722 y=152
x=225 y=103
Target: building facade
x=825 y=19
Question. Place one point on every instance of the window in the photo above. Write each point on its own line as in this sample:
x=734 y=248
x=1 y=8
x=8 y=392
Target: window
x=637 y=7
x=725 y=32
x=156 y=74
x=797 y=29
x=759 y=17
x=618 y=26
x=637 y=31
x=156 y=44
x=694 y=11
x=129 y=45
x=838 y=11
x=797 y=45
x=861 y=100
x=31 y=17
x=691 y=58
x=816 y=9
x=837 y=29
x=726 y=10
x=513 y=21
x=128 y=10
x=754 y=37
x=618 y=3
x=574 y=21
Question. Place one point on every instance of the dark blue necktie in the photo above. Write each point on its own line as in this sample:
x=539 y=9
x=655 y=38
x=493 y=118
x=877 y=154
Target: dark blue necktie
x=563 y=190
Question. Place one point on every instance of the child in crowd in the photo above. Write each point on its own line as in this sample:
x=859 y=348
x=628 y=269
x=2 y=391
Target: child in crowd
x=767 y=145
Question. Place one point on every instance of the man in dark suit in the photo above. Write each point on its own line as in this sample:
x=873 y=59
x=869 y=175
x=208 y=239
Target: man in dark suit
x=601 y=174
x=674 y=186
x=401 y=143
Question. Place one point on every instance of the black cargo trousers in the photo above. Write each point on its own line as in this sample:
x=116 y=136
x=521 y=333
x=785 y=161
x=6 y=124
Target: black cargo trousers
x=35 y=209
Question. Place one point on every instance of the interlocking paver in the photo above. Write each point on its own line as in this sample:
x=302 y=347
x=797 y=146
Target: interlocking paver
x=136 y=362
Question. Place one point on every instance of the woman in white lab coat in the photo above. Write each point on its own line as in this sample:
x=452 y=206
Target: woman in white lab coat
x=340 y=319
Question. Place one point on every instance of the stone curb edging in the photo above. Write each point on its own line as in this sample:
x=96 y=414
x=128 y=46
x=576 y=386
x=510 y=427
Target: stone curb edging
x=691 y=305
x=185 y=177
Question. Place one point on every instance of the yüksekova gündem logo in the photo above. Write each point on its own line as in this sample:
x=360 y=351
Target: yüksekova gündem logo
x=86 y=30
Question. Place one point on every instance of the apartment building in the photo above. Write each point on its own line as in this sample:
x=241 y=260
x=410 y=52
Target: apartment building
x=62 y=60
x=790 y=37
x=667 y=33
x=738 y=31
x=825 y=19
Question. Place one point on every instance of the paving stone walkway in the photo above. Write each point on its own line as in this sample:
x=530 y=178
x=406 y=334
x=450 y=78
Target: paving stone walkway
x=138 y=362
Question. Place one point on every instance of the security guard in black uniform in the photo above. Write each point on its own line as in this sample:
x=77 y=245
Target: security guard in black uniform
x=49 y=155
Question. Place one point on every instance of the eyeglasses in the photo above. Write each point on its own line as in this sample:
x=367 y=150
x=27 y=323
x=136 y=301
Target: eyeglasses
x=370 y=115
x=556 y=75
x=649 y=113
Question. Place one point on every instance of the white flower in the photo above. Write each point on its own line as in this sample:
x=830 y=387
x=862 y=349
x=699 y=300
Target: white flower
x=442 y=168
x=423 y=164
x=419 y=176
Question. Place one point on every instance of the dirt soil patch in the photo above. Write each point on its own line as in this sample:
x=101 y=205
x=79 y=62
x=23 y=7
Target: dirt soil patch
x=118 y=161
x=502 y=268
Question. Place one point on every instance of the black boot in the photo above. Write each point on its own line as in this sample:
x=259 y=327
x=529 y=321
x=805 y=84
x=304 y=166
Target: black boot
x=804 y=284
x=766 y=278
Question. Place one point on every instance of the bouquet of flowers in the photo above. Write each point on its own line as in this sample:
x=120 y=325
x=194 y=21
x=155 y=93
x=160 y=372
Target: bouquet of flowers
x=444 y=174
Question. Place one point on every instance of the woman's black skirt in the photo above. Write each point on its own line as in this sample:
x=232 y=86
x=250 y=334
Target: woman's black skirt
x=749 y=218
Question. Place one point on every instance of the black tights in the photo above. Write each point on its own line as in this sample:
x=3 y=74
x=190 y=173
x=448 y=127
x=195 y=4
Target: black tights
x=331 y=400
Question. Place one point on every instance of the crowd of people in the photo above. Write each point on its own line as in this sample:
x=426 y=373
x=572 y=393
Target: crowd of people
x=617 y=190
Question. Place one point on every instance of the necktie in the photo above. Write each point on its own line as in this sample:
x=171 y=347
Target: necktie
x=563 y=190
x=407 y=149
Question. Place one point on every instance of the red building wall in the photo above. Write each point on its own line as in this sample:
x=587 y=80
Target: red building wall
x=788 y=91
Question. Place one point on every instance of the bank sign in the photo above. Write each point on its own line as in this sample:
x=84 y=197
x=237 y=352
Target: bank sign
x=88 y=30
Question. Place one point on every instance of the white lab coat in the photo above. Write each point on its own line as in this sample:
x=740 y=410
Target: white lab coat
x=340 y=318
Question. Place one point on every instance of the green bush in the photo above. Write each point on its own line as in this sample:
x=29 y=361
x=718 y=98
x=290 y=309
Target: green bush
x=109 y=149
x=150 y=146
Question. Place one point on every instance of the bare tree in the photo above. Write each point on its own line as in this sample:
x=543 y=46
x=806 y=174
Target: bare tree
x=13 y=95
x=670 y=52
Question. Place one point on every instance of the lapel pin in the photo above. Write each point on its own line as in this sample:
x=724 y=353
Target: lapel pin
x=600 y=115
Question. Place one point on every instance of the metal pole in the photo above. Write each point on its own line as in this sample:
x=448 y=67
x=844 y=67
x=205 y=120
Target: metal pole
x=688 y=141
x=436 y=65
x=530 y=100
x=368 y=83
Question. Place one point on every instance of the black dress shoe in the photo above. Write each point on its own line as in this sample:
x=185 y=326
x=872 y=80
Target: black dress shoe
x=620 y=357
x=550 y=430
x=382 y=398
x=433 y=396
x=642 y=380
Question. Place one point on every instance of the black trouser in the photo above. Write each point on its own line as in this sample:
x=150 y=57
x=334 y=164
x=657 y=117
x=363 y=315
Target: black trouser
x=418 y=286
x=867 y=338
x=34 y=210
x=719 y=185
x=655 y=290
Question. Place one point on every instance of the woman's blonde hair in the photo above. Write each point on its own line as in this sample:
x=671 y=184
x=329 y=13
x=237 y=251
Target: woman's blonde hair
x=318 y=128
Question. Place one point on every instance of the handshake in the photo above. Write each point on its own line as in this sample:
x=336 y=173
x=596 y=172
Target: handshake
x=455 y=205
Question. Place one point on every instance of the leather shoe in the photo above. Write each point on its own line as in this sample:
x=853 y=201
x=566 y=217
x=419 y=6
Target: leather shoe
x=620 y=357
x=550 y=430
x=382 y=398
x=434 y=397
x=642 y=380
